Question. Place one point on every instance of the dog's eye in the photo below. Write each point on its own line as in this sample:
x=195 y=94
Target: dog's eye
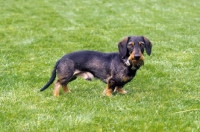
x=141 y=44
x=130 y=44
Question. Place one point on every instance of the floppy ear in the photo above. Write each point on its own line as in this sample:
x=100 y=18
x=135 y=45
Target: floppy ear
x=122 y=46
x=148 y=45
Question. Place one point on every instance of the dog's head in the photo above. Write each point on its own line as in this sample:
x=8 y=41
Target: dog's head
x=132 y=49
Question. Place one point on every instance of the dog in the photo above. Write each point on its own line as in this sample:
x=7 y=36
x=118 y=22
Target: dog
x=115 y=69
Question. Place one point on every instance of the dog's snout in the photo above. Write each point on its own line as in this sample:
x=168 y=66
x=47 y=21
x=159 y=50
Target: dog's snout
x=137 y=56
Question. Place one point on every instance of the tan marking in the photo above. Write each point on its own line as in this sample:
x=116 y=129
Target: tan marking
x=108 y=91
x=56 y=88
x=126 y=78
x=134 y=62
x=141 y=43
x=120 y=90
x=65 y=89
x=131 y=43
x=131 y=57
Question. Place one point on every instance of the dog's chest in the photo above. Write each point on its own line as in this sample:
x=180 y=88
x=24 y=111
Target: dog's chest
x=125 y=75
x=126 y=79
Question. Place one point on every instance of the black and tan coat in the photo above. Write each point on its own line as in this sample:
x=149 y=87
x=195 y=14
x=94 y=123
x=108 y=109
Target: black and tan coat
x=115 y=69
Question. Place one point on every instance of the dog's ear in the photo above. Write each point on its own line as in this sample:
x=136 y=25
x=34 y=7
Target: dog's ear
x=148 y=45
x=122 y=46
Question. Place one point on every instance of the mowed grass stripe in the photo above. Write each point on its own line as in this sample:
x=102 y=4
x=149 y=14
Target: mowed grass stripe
x=164 y=95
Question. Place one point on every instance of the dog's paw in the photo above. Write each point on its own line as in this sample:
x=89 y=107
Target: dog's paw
x=121 y=91
x=107 y=93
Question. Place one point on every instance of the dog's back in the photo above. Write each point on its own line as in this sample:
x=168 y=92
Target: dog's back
x=115 y=69
x=97 y=63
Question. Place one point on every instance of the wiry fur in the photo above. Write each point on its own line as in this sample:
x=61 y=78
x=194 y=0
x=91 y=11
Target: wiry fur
x=114 y=69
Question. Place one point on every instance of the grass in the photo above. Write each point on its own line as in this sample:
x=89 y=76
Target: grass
x=164 y=95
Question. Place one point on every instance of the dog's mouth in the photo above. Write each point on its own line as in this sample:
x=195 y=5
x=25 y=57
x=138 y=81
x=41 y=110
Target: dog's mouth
x=136 y=61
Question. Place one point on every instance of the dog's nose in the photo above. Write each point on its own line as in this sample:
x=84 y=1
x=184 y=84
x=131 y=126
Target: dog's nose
x=137 y=56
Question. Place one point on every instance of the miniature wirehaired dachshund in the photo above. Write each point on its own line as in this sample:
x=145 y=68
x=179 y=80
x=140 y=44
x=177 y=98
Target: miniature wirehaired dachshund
x=115 y=69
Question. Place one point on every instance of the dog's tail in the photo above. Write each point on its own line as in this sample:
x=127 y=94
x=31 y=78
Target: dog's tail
x=53 y=76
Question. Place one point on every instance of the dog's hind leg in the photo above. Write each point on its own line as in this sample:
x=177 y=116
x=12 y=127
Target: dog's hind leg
x=63 y=80
x=65 y=89
x=56 y=88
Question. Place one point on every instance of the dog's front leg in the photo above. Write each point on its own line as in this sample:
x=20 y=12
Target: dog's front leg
x=65 y=89
x=108 y=91
x=109 y=88
x=120 y=90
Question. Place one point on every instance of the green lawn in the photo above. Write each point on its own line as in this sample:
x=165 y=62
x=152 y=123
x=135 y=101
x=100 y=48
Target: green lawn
x=163 y=97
